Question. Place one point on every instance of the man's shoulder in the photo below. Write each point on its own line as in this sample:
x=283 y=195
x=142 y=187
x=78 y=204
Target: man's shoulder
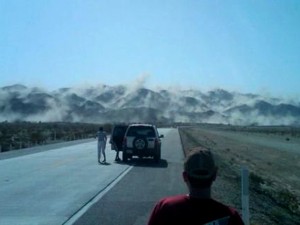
x=234 y=216
x=223 y=207
x=174 y=199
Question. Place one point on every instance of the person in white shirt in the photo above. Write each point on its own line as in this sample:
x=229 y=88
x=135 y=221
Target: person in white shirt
x=101 y=135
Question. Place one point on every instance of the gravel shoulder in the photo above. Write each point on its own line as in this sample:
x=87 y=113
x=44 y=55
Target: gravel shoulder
x=273 y=161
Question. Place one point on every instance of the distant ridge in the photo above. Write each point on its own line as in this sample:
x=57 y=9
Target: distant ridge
x=113 y=104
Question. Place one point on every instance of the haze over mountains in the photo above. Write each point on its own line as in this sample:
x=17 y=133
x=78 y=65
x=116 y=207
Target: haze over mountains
x=113 y=104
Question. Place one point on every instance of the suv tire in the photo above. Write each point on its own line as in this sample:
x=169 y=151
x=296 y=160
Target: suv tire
x=157 y=156
x=140 y=143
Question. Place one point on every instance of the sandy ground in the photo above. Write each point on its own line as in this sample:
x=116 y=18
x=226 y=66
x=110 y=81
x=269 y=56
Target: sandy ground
x=273 y=161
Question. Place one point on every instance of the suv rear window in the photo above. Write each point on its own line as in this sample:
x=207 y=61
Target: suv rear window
x=141 y=131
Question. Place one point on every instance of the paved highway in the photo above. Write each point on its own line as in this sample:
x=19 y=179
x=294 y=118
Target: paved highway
x=66 y=185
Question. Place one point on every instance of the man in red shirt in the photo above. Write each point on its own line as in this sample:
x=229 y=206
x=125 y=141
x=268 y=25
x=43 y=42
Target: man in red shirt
x=197 y=207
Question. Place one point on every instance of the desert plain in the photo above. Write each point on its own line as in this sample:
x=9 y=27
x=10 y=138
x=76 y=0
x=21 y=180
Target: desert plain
x=272 y=157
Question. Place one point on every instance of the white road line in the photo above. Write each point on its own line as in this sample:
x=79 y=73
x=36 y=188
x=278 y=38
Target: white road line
x=95 y=199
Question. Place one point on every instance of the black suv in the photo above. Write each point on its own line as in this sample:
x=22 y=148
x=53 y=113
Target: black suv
x=142 y=140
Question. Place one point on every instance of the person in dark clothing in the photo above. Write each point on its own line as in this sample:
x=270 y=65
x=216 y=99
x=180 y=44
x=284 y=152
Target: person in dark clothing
x=196 y=207
x=116 y=139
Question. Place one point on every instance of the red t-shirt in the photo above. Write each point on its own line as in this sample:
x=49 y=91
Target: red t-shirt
x=186 y=210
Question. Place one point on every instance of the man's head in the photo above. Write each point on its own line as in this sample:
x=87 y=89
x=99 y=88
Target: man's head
x=199 y=168
x=100 y=128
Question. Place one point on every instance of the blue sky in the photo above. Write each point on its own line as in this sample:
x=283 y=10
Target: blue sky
x=247 y=46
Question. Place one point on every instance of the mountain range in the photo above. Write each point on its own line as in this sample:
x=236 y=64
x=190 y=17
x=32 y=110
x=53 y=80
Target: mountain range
x=124 y=104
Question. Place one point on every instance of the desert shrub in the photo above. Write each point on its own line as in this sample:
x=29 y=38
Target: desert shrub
x=284 y=198
x=256 y=179
x=288 y=199
x=20 y=134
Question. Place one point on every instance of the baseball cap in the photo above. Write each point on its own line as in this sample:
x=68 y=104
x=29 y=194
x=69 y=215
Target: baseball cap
x=199 y=163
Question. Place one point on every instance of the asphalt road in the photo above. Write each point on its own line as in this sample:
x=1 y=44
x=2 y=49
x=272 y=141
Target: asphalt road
x=66 y=185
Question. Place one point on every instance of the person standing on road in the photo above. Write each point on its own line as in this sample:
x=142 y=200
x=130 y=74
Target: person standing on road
x=197 y=207
x=101 y=136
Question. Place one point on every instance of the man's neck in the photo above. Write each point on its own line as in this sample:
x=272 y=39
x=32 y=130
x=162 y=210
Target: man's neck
x=204 y=193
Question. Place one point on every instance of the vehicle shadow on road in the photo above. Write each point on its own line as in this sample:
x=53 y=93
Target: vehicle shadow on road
x=146 y=162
